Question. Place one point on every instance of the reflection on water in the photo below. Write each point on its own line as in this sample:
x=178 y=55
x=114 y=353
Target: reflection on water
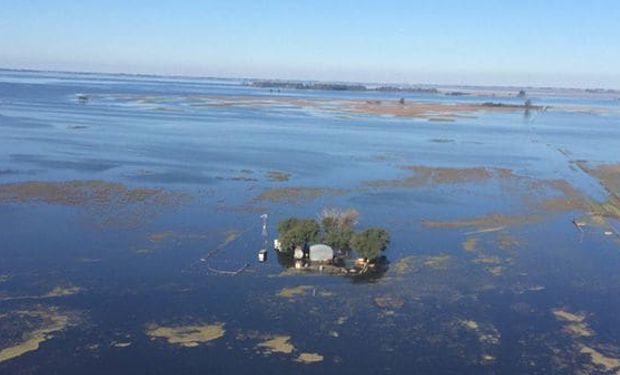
x=130 y=226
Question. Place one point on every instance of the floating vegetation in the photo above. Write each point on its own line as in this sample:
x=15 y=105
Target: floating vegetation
x=438 y=262
x=415 y=263
x=601 y=361
x=63 y=291
x=121 y=344
x=389 y=302
x=441 y=119
x=243 y=178
x=83 y=192
x=487 y=259
x=471 y=324
x=470 y=244
x=296 y=194
x=428 y=110
x=294 y=292
x=495 y=270
x=490 y=221
x=309 y=358
x=22 y=331
x=169 y=236
x=187 y=336
x=277 y=344
x=230 y=236
x=278 y=176
x=608 y=174
x=111 y=203
x=424 y=175
x=404 y=265
x=56 y=292
x=609 y=178
x=506 y=242
x=487 y=333
x=568 y=316
x=575 y=323
x=571 y=198
x=577 y=327
x=161 y=236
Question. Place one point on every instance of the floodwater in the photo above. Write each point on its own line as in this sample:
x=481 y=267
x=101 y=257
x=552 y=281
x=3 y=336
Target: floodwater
x=130 y=225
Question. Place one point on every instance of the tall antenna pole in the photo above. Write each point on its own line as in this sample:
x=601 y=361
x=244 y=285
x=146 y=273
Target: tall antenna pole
x=265 y=234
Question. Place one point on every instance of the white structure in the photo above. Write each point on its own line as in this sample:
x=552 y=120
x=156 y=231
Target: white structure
x=298 y=253
x=277 y=245
x=321 y=253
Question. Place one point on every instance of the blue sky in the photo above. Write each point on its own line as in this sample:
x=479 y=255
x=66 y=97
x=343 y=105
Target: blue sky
x=527 y=42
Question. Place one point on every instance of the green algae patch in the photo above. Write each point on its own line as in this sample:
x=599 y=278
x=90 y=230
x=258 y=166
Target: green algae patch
x=277 y=344
x=28 y=329
x=188 y=336
x=308 y=358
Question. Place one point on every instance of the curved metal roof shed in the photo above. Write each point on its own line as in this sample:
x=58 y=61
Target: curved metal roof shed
x=321 y=253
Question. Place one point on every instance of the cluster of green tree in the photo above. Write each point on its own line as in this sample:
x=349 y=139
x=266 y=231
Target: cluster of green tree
x=335 y=228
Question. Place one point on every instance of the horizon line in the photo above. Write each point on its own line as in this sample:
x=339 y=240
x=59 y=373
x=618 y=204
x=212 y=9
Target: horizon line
x=300 y=80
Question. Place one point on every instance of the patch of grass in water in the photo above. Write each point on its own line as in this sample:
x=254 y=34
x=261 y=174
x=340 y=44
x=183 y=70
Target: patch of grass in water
x=296 y=194
x=63 y=291
x=600 y=360
x=309 y=358
x=470 y=244
x=110 y=204
x=482 y=222
x=188 y=336
x=38 y=326
x=277 y=344
x=293 y=292
x=424 y=176
x=278 y=176
x=437 y=261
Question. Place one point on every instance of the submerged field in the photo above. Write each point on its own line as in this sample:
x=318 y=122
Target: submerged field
x=130 y=224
